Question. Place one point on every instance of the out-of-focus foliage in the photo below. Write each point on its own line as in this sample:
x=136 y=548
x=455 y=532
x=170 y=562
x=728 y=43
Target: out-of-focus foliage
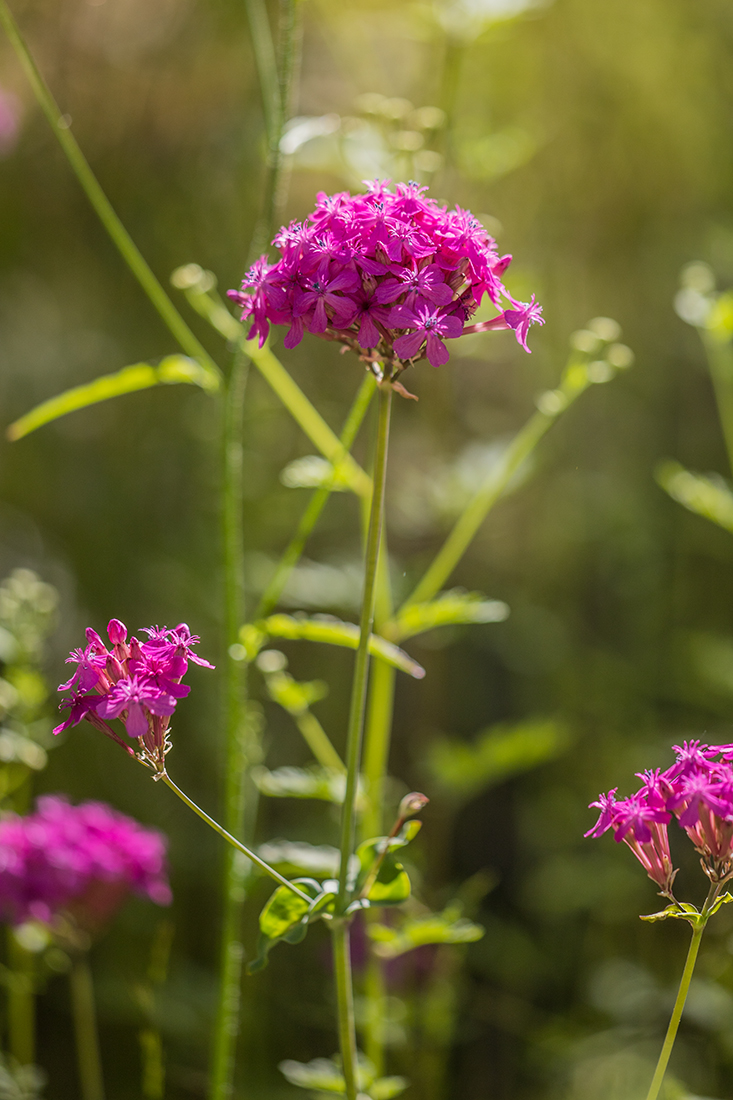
x=594 y=141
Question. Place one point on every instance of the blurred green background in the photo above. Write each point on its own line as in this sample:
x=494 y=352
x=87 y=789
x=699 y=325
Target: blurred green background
x=596 y=139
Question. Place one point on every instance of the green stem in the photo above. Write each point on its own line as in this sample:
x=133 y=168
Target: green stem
x=345 y=1004
x=361 y=666
x=374 y=997
x=275 y=184
x=101 y=204
x=720 y=361
x=317 y=503
x=342 y=965
x=376 y=745
x=264 y=50
x=21 y=1002
x=677 y=1011
x=233 y=840
x=85 y=1029
x=318 y=741
x=231 y=950
x=575 y=381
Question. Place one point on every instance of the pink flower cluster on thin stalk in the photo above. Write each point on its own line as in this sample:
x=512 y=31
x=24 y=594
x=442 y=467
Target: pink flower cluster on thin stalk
x=79 y=860
x=390 y=275
x=698 y=790
x=139 y=682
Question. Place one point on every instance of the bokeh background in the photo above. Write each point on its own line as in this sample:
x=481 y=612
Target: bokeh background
x=595 y=141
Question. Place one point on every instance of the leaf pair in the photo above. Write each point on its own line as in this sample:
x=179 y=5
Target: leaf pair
x=682 y=910
x=325 y=1077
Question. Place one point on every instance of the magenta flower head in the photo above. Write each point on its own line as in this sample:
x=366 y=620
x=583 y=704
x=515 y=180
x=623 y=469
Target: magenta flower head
x=77 y=861
x=140 y=684
x=698 y=790
x=641 y=822
x=389 y=274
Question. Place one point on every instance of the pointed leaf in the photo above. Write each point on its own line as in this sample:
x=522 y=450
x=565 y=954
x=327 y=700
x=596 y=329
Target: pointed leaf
x=141 y=376
x=497 y=754
x=284 y=917
x=708 y=496
x=677 y=911
x=446 y=927
x=448 y=608
x=722 y=900
x=331 y=631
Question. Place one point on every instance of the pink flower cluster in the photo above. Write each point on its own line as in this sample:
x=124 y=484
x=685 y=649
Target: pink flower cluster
x=698 y=791
x=83 y=860
x=389 y=275
x=139 y=682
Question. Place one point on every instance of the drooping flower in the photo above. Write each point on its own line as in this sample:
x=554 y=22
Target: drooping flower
x=138 y=683
x=698 y=790
x=358 y=253
x=79 y=860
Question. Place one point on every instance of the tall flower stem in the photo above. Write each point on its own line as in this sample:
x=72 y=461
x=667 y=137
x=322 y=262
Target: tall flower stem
x=344 y=988
x=226 y=1026
x=682 y=992
x=21 y=1002
x=85 y=1029
x=280 y=879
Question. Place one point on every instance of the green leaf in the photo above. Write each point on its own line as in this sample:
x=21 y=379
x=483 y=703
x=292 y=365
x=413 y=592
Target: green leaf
x=722 y=900
x=288 y=782
x=448 y=608
x=312 y=472
x=296 y=857
x=284 y=917
x=331 y=631
x=446 y=927
x=497 y=754
x=705 y=495
x=392 y=883
x=324 y=1076
x=141 y=376
x=292 y=696
x=678 y=911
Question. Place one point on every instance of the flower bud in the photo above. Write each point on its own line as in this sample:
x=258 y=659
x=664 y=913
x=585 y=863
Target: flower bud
x=412 y=804
x=117 y=632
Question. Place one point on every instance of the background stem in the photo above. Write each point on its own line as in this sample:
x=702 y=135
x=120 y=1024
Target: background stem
x=21 y=1002
x=226 y=1028
x=85 y=1029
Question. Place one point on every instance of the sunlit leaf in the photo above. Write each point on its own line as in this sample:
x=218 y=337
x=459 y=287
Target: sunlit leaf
x=141 y=376
x=293 y=696
x=706 y=495
x=496 y=754
x=449 y=608
x=311 y=472
x=446 y=927
x=391 y=884
x=288 y=782
x=293 y=857
x=330 y=631
x=324 y=1076
x=284 y=917
x=678 y=911
x=724 y=899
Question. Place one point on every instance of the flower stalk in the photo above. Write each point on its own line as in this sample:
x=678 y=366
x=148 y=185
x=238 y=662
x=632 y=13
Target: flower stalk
x=341 y=945
x=85 y=1028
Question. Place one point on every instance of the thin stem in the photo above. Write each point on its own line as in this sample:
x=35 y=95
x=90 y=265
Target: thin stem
x=263 y=48
x=231 y=949
x=342 y=964
x=361 y=666
x=318 y=741
x=676 y=1013
x=345 y=1004
x=575 y=381
x=101 y=204
x=85 y=1029
x=275 y=178
x=376 y=744
x=375 y=997
x=21 y=1002
x=317 y=503
x=720 y=361
x=233 y=841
